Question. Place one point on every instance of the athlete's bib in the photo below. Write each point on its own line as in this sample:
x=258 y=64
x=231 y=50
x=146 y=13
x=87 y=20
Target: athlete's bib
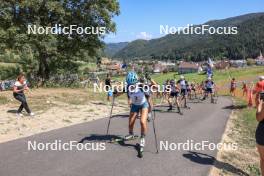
x=183 y=84
x=137 y=97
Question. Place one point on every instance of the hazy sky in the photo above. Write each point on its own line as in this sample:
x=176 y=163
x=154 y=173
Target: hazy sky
x=142 y=18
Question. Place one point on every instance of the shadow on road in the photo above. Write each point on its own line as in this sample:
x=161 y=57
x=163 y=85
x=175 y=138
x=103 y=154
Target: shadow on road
x=13 y=111
x=98 y=138
x=120 y=116
x=107 y=138
x=205 y=159
x=235 y=107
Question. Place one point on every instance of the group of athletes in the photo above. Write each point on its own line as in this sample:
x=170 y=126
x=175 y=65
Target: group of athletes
x=175 y=92
x=182 y=90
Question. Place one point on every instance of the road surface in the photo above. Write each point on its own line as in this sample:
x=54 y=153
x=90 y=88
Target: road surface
x=203 y=122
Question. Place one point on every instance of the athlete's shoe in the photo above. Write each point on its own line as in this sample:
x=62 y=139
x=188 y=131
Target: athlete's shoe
x=170 y=108
x=142 y=142
x=179 y=111
x=31 y=114
x=19 y=115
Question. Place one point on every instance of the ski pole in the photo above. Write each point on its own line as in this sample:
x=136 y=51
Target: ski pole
x=110 y=116
x=154 y=128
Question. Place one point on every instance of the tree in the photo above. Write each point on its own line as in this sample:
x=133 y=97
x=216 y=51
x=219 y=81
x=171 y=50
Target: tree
x=51 y=49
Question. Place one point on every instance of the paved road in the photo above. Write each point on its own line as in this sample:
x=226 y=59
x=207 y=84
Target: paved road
x=203 y=122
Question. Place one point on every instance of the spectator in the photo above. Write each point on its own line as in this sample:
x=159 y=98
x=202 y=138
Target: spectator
x=244 y=88
x=18 y=92
x=108 y=87
x=233 y=87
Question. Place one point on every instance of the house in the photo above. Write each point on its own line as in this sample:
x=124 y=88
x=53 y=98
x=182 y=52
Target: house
x=114 y=67
x=222 y=65
x=260 y=59
x=158 y=68
x=105 y=61
x=188 y=67
x=163 y=66
x=238 y=63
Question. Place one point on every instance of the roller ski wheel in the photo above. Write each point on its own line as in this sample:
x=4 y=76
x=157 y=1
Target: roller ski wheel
x=140 y=150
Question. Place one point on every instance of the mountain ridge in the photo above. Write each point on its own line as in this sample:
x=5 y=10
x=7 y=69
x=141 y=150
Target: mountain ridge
x=199 y=47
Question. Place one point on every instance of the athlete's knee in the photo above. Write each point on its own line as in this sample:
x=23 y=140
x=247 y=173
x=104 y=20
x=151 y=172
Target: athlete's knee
x=143 y=122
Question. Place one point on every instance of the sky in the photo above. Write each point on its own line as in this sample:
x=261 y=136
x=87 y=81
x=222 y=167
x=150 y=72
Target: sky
x=141 y=19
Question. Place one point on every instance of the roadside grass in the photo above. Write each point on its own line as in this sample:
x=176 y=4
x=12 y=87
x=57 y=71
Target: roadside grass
x=241 y=131
x=246 y=124
x=3 y=100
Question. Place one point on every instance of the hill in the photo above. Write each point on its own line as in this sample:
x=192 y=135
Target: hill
x=112 y=48
x=247 y=43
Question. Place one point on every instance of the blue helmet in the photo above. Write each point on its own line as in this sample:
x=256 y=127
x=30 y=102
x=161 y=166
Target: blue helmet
x=131 y=78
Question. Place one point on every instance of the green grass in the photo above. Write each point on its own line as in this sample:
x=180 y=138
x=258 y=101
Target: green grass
x=223 y=75
x=244 y=132
x=246 y=124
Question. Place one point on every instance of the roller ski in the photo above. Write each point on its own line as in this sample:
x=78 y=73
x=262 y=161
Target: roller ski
x=124 y=139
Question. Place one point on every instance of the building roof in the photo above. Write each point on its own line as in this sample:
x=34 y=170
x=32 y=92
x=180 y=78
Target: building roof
x=114 y=67
x=189 y=65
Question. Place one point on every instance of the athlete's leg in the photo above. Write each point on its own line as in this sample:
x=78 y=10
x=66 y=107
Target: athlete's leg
x=143 y=121
x=185 y=98
x=132 y=120
x=170 y=101
x=178 y=104
x=24 y=104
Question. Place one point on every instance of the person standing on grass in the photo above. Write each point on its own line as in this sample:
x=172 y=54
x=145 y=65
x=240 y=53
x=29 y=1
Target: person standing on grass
x=18 y=91
x=244 y=88
x=233 y=87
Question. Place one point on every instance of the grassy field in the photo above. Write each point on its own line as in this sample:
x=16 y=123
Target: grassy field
x=219 y=76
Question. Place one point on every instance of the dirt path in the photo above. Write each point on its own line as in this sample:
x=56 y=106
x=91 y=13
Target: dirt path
x=54 y=108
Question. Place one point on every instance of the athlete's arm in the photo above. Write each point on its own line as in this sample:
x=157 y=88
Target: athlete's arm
x=16 y=90
x=260 y=112
x=149 y=101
